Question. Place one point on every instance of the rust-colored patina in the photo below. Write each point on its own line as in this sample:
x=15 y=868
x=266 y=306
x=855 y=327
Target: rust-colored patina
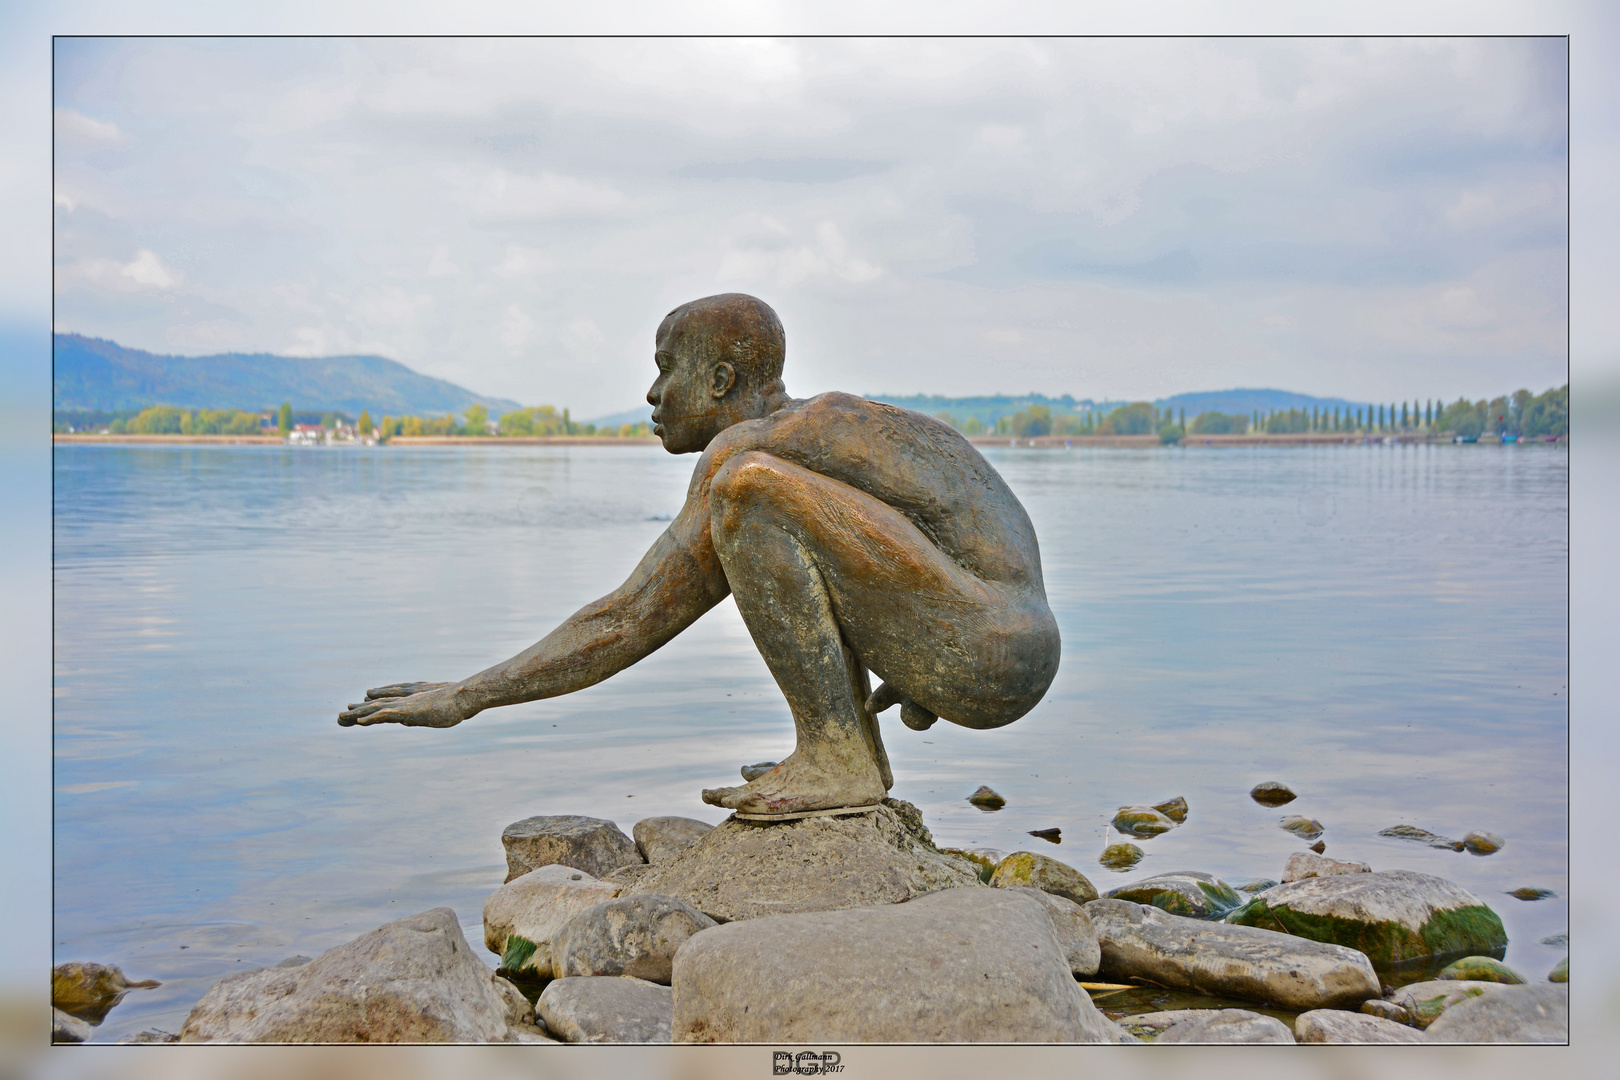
x=854 y=535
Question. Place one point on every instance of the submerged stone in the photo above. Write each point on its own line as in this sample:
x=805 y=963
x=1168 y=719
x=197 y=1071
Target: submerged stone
x=1482 y=843
x=1525 y=892
x=1301 y=826
x=89 y=991
x=1560 y=974
x=1393 y=916
x=986 y=799
x=1045 y=873
x=1421 y=836
x=1175 y=809
x=1254 y=885
x=1480 y=969
x=1054 y=835
x=1142 y=821
x=1120 y=857
x=1272 y=793
x=1560 y=941
x=1190 y=893
x=1319 y=847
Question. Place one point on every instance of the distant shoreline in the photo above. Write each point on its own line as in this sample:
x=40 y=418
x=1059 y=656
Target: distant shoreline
x=1037 y=442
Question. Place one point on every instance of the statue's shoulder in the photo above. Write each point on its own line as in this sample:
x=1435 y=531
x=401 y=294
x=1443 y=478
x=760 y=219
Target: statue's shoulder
x=838 y=402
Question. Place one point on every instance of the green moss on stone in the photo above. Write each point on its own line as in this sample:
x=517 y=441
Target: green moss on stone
x=518 y=951
x=1471 y=929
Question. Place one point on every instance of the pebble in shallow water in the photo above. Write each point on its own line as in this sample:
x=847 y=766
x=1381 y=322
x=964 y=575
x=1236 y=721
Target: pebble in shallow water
x=1303 y=827
x=1175 y=809
x=1527 y=893
x=1421 y=836
x=1482 y=843
x=1142 y=821
x=1120 y=857
x=986 y=799
x=1480 y=969
x=1560 y=973
x=1272 y=793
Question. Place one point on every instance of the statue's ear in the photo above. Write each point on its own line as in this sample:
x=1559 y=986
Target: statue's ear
x=725 y=377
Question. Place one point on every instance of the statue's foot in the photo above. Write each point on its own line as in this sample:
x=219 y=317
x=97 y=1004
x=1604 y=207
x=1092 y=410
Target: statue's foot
x=798 y=784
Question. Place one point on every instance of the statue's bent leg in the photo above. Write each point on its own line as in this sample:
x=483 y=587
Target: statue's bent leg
x=818 y=569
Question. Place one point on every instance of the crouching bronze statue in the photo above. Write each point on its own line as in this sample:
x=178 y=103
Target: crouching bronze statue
x=854 y=535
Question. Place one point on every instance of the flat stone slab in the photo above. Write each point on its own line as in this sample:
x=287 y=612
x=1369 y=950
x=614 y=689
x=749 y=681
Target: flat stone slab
x=748 y=870
x=636 y=936
x=523 y=916
x=606 y=1009
x=1189 y=892
x=584 y=843
x=1336 y=1026
x=959 y=965
x=1537 y=1013
x=412 y=980
x=1308 y=864
x=1394 y=916
x=1228 y=961
x=1229 y=1026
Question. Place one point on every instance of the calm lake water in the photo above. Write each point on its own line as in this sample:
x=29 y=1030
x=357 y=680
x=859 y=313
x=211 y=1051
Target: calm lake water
x=1382 y=628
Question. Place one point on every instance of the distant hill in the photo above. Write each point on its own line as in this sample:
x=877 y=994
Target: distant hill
x=1244 y=402
x=90 y=373
x=990 y=408
x=618 y=419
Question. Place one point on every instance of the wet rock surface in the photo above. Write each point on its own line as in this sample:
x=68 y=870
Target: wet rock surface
x=658 y=838
x=1394 y=916
x=1335 y=1026
x=748 y=870
x=1142 y=822
x=986 y=798
x=634 y=936
x=1229 y=1026
x=90 y=991
x=606 y=1009
x=584 y=843
x=1120 y=857
x=1189 y=892
x=523 y=916
x=1536 y=1013
x=1530 y=893
x=1560 y=973
x=960 y=965
x=1272 y=793
x=1305 y=864
x=412 y=980
x=1480 y=969
x=1306 y=828
x=1426 y=1001
x=1421 y=836
x=1175 y=809
x=1482 y=843
x=1044 y=873
x=1230 y=961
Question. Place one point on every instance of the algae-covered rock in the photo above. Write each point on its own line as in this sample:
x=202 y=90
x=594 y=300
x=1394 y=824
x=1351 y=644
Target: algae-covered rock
x=522 y=916
x=1421 y=836
x=584 y=843
x=657 y=838
x=1394 y=916
x=1527 y=892
x=1175 y=809
x=89 y=991
x=1482 y=843
x=1120 y=857
x=960 y=965
x=1227 y=961
x=1336 y=1026
x=1229 y=1026
x=1272 y=793
x=1189 y=892
x=749 y=869
x=1042 y=872
x=984 y=860
x=1319 y=847
x=1538 y=1013
x=1480 y=969
x=1142 y=821
x=1560 y=974
x=1305 y=864
x=986 y=799
x=1255 y=885
x=1305 y=828
x=606 y=1009
x=1425 y=1001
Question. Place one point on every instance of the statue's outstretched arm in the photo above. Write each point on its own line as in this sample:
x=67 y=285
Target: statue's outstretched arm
x=676 y=582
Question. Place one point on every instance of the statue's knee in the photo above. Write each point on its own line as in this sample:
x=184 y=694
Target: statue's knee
x=742 y=476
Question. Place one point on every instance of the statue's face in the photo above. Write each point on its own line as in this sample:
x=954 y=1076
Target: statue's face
x=687 y=412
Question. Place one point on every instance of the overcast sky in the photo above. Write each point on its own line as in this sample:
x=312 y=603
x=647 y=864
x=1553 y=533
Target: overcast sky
x=1121 y=218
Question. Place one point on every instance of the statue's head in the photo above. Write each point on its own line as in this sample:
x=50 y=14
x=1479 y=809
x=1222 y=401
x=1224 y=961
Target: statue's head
x=719 y=363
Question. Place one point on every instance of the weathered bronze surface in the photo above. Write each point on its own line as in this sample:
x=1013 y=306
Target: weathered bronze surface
x=854 y=535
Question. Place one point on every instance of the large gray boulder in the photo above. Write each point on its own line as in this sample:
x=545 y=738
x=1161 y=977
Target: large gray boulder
x=959 y=965
x=606 y=1009
x=1535 y=1013
x=523 y=916
x=657 y=838
x=1337 y=1026
x=634 y=935
x=1393 y=916
x=1188 y=892
x=1076 y=936
x=1229 y=1026
x=412 y=980
x=584 y=843
x=750 y=869
x=1026 y=868
x=1228 y=961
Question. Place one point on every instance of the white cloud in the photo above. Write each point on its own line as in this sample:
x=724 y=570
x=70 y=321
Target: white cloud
x=76 y=129
x=145 y=271
x=515 y=328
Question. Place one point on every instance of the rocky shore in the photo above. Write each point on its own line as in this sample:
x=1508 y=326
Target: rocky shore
x=858 y=928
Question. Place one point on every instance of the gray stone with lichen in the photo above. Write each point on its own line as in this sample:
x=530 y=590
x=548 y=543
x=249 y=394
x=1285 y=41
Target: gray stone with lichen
x=584 y=843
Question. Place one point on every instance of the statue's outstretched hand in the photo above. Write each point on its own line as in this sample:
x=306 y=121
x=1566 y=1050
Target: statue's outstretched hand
x=414 y=704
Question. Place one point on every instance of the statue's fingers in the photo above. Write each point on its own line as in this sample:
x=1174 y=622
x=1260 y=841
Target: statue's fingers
x=882 y=698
